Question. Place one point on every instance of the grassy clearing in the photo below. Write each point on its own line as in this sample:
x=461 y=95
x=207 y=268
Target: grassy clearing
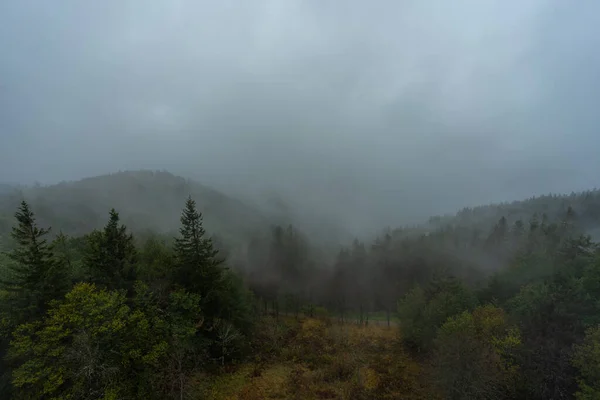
x=318 y=359
x=379 y=318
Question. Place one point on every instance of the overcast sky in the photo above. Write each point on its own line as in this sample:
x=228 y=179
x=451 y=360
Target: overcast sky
x=398 y=109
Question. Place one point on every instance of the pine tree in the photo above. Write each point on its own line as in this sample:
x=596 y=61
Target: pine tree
x=111 y=255
x=198 y=267
x=35 y=274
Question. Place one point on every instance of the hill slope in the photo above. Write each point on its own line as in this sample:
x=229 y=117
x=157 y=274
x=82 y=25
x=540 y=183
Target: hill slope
x=152 y=200
x=146 y=200
x=552 y=207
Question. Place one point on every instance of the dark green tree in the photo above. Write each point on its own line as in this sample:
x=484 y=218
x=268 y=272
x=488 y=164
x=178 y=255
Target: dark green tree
x=156 y=263
x=224 y=300
x=98 y=344
x=474 y=355
x=31 y=278
x=423 y=310
x=586 y=359
x=198 y=268
x=111 y=255
x=35 y=275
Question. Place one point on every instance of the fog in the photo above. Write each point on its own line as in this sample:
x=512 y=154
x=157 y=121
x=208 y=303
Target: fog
x=376 y=113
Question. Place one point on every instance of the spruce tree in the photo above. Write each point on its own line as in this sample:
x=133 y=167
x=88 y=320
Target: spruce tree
x=198 y=268
x=111 y=255
x=35 y=274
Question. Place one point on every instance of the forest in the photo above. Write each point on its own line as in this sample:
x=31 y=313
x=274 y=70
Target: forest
x=496 y=302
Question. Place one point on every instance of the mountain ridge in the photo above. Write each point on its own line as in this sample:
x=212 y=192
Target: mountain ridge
x=151 y=200
x=147 y=200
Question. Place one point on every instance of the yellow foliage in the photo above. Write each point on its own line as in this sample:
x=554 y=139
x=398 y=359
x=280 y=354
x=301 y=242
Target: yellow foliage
x=224 y=386
x=327 y=361
x=312 y=327
x=271 y=384
x=369 y=378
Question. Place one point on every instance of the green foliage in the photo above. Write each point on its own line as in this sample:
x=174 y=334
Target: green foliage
x=149 y=319
x=156 y=264
x=586 y=359
x=66 y=252
x=34 y=274
x=525 y=269
x=226 y=304
x=474 y=355
x=61 y=356
x=198 y=269
x=94 y=344
x=235 y=303
x=110 y=256
x=423 y=311
x=553 y=315
x=411 y=311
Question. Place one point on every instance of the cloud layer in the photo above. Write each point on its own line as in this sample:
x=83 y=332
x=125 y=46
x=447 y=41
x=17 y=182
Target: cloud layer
x=377 y=112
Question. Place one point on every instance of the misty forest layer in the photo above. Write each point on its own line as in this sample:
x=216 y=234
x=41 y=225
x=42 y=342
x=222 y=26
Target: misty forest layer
x=146 y=301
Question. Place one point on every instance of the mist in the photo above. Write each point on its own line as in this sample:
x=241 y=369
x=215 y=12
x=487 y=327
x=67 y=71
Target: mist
x=372 y=114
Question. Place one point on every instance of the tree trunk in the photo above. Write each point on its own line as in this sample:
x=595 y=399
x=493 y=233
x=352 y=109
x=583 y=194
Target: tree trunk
x=387 y=312
x=360 y=315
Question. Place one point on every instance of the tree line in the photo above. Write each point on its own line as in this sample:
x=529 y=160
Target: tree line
x=97 y=318
x=511 y=311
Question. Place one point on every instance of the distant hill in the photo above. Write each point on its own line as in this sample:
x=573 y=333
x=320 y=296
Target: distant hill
x=146 y=200
x=153 y=200
x=551 y=207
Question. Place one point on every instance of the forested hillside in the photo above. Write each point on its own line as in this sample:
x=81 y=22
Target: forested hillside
x=497 y=302
x=148 y=201
x=550 y=207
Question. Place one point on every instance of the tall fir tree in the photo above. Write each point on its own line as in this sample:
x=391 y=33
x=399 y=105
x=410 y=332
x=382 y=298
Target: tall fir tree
x=198 y=268
x=111 y=255
x=35 y=274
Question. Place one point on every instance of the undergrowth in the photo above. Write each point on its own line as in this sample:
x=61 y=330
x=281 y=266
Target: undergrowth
x=318 y=359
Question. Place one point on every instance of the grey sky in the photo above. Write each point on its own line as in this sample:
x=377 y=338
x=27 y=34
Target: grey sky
x=395 y=108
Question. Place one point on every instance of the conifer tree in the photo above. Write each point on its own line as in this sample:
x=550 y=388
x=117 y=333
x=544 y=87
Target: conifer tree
x=35 y=274
x=198 y=267
x=111 y=255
